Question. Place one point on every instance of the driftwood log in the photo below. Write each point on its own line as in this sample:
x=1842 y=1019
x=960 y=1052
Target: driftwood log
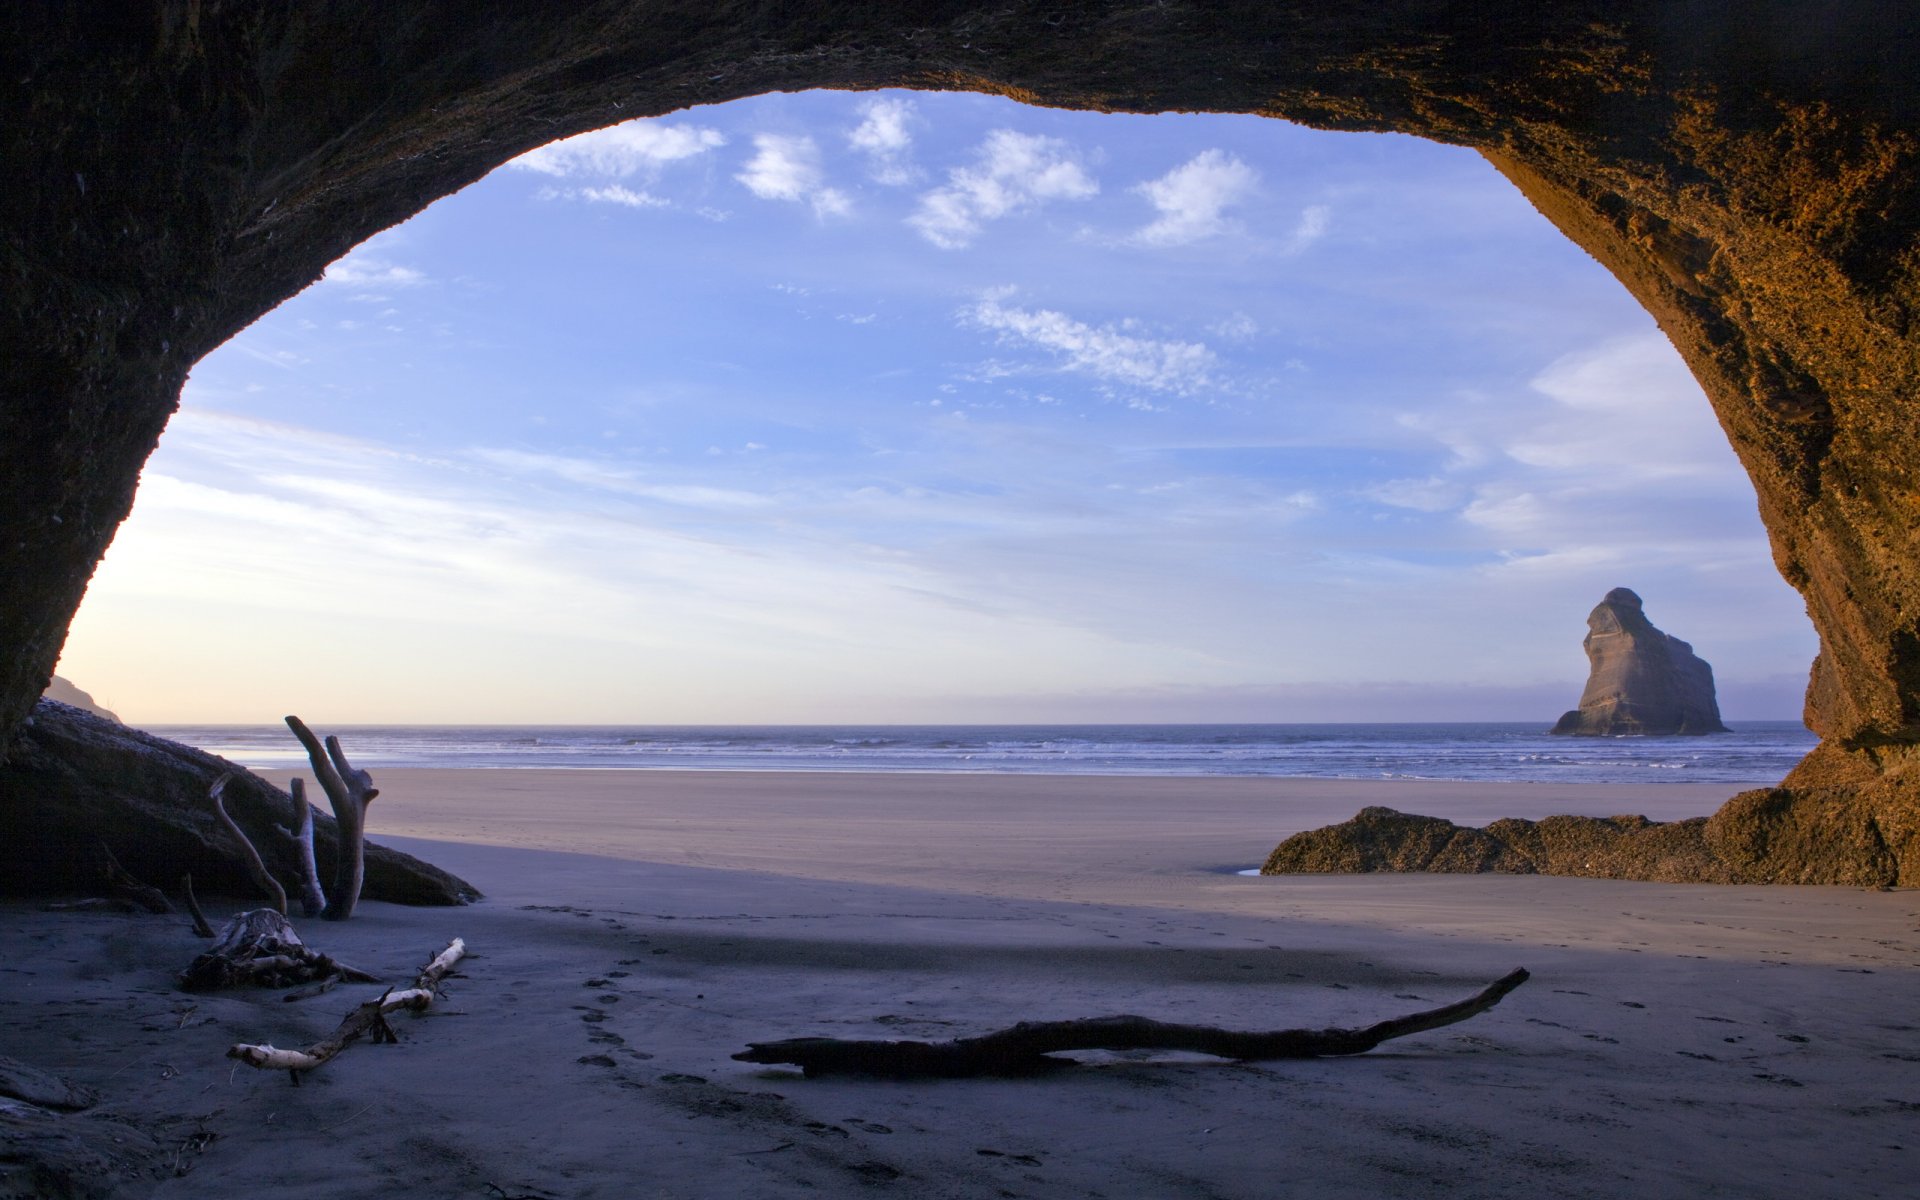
x=370 y=1017
x=259 y=948
x=313 y=897
x=349 y=791
x=1025 y=1048
x=249 y=853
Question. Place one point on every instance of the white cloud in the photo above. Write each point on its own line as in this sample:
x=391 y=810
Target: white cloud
x=787 y=167
x=1237 y=328
x=617 y=194
x=1432 y=494
x=368 y=270
x=604 y=477
x=884 y=137
x=1104 y=351
x=1627 y=411
x=637 y=147
x=1192 y=199
x=1015 y=172
x=1313 y=224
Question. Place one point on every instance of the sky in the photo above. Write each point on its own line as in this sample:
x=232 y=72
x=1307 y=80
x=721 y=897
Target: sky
x=924 y=408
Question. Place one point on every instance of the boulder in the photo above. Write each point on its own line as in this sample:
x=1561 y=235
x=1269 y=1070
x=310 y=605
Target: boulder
x=77 y=781
x=1641 y=681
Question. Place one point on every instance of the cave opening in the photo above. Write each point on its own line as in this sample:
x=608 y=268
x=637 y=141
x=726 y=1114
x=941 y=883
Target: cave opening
x=830 y=406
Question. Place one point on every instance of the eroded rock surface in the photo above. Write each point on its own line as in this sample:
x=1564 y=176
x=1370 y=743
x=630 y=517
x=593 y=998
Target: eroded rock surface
x=1751 y=173
x=1771 y=835
x=76 y=781
x=1640 y=680
x=1627 y=847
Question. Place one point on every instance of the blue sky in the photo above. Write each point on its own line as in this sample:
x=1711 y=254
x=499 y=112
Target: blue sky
x=920 y=407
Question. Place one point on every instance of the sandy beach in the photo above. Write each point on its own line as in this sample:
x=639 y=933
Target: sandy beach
x=641 y=927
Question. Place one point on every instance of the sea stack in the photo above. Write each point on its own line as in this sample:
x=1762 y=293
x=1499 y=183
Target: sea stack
x=1642 y=681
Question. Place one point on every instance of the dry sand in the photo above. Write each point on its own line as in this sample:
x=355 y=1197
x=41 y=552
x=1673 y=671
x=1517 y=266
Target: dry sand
x=640 y=927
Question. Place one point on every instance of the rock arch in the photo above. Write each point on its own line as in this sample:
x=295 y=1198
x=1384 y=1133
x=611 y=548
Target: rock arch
x=1749 y=172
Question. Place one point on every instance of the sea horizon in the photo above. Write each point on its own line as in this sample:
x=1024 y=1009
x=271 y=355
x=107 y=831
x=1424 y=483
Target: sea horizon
x=1754 y=752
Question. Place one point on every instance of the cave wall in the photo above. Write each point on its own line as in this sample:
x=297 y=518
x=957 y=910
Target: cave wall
x=1748 y=172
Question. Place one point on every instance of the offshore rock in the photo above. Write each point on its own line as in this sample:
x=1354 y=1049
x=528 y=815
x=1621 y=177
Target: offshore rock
x=1641 y=681
x=77 y=781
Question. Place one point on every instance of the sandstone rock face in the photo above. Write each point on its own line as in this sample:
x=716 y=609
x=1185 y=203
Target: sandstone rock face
x=77 y=780
x=1631 y=847
x=1751 y=173
x=1640 y=681
x=1773 y=835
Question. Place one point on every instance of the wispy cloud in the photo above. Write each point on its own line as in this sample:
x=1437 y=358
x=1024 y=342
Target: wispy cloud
x=605 y=477
x=365 y=269
x=787 y=167
x=1105 y=352
x=1192 y=199
x=885 y=136
x=1313 y=224
x=1625 y=411
x=1012 y=173
x=623 y=195
x=471 y=590
x=1432 y=494
x=640 y=147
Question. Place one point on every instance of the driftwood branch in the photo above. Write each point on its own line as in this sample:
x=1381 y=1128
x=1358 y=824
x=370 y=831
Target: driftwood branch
x=123 y=882
x=1023 y=1049
x=259 y=948
x=313 y=898
x=251 y=856
x=200 y=926
x=370 y=1017
x=349 y=790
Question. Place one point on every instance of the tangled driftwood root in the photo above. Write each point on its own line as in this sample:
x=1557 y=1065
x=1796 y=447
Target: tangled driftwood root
x=259 y=948
x=370 y=1017
x=1024 y=1049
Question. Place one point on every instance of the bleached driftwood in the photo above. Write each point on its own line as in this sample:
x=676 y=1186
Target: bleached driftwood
x=313 y=898
x=249 y=854
x=370 y=1017
x=350 y=791
x=259 y=948
x=1023 y=1049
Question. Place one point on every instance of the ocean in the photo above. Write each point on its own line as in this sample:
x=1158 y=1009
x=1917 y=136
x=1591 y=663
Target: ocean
x=1756 y=752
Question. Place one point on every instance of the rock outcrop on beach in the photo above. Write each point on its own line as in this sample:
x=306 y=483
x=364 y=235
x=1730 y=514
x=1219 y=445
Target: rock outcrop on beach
x=77 y=781
x=1629 y=847
x=1772 y=835
x=66 y=693
x=1750 y=175
x=1640 y=680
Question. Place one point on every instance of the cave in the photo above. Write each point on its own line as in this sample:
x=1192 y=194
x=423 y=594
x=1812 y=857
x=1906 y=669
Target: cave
x=1749 y=176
